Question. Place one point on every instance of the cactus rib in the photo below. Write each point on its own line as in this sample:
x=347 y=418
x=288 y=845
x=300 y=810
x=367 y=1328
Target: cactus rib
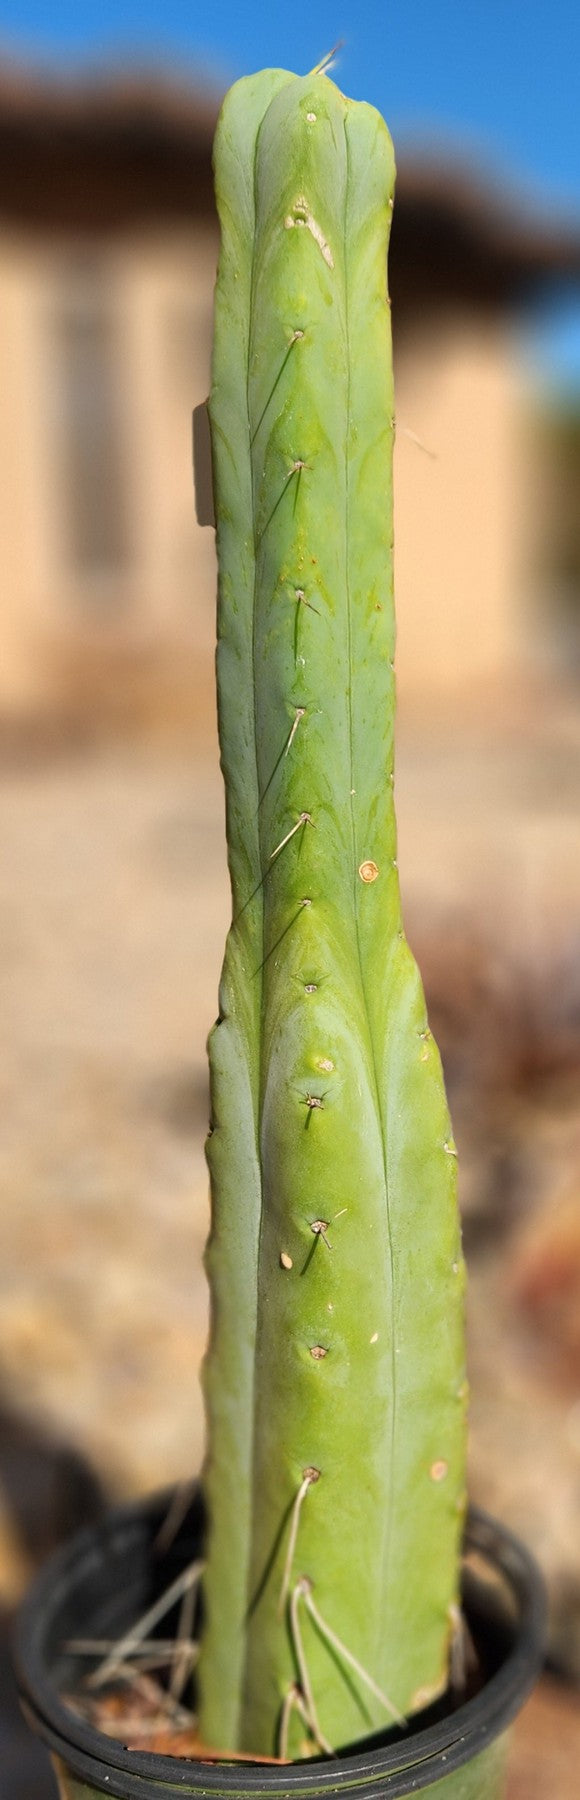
x=328 y=1108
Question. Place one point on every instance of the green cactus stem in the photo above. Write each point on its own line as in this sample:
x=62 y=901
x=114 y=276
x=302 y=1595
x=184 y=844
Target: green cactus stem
x=334 y=1381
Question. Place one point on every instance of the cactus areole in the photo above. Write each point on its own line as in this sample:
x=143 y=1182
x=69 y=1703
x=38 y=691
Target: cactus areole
x=334 y=1380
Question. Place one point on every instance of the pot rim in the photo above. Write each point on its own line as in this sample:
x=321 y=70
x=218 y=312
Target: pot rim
x=424 y=1756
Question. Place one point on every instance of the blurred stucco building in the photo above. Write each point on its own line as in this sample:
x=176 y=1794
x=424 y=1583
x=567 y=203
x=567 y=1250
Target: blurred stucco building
x=108 y=244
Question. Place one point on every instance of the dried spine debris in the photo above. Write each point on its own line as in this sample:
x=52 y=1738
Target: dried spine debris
x=126 y=1647
x=299 y=714
x=347 y=1655
x=304 y=819
x=298 y=1593
x=309 y=1478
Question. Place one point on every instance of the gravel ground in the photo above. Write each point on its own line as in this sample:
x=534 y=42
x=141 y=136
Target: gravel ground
x=113 y=907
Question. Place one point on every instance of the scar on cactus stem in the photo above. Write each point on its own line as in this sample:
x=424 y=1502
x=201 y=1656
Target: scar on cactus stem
x=326 y=1602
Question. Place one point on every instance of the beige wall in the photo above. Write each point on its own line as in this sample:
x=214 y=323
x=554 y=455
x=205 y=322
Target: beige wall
x=463 y=475
x=60 y=625
x=138 y=636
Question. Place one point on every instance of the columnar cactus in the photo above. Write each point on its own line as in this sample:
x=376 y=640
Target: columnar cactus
x=334 y=1379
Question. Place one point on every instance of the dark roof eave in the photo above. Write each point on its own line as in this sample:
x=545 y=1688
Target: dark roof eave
x=117 y=151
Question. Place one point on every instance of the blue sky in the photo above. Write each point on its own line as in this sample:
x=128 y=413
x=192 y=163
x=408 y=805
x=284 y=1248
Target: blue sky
x=496 y=80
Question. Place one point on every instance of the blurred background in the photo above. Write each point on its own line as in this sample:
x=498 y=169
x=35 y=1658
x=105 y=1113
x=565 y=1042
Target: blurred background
x=113 y=891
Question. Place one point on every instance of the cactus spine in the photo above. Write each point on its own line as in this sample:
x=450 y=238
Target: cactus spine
x=334 y=1379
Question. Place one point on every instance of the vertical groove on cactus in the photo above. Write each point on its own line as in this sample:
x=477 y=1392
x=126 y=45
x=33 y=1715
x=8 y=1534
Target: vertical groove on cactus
x=233 y=1150
x=389 y=1286
x=334 y=1378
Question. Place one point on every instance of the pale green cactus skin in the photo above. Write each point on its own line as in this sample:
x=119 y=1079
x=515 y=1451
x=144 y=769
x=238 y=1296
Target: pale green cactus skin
x=338 y=1350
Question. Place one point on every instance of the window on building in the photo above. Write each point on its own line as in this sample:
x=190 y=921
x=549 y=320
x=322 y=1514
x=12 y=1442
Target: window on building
x=90 y=419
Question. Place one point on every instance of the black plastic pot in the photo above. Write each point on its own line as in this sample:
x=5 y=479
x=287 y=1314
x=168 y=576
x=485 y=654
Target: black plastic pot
x=100 y=1583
